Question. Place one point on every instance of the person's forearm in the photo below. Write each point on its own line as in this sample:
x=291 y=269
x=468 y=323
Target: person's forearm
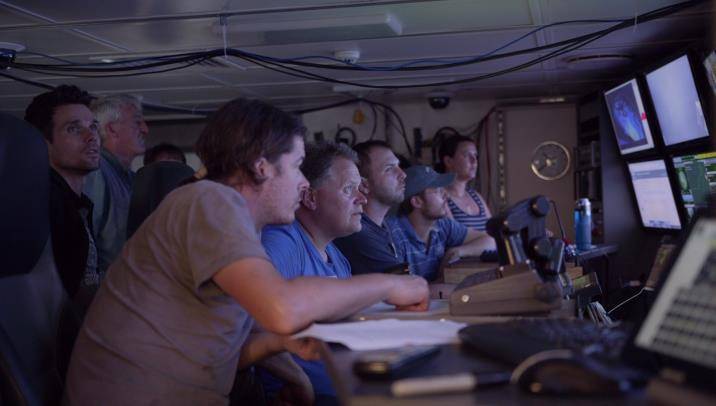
x=330 y=299
x=477 y=246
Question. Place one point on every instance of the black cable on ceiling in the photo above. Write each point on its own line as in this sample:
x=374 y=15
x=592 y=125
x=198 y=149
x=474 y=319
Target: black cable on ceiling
x=146 y=105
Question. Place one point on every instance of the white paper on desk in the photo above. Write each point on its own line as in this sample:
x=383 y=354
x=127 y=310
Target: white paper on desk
x=386 y=333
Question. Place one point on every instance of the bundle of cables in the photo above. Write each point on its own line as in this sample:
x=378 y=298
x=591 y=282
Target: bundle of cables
x=299 y=66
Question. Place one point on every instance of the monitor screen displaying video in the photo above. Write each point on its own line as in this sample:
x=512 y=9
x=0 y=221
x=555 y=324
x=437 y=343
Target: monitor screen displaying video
x=654 y=195
x=696 y=175
x=626 y=110
x=676 y=102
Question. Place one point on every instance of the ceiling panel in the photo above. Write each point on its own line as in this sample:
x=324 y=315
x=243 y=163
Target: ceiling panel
x=77 y=10
x=565 y=10
x=54 y=42
x=11 y=17
x=666 y=30
x=88 y=30
x=420 y=18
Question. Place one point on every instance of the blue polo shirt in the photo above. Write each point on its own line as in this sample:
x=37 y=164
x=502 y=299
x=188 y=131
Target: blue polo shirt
x=293 y=254
x=372 y=249
x=424 y=259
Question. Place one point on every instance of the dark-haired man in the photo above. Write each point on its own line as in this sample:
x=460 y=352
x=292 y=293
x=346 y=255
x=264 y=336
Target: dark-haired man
x=330 y=208
x=173 y=319
x=70 y=130
x=372 y=249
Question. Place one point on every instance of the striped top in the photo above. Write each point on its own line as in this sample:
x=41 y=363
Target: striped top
x=476 y=222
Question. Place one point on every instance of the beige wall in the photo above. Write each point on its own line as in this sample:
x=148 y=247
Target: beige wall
x=525 y=128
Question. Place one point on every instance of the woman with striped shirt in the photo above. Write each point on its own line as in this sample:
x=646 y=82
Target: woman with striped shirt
x=458 y=154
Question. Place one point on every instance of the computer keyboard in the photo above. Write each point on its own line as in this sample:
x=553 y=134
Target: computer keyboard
x=514 y=341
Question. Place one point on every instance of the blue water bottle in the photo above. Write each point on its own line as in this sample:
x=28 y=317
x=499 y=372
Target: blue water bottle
x=583 y=224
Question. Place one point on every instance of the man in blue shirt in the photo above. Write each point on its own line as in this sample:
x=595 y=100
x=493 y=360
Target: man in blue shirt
x=424 y=232
x=372 y=249
x=330 y=208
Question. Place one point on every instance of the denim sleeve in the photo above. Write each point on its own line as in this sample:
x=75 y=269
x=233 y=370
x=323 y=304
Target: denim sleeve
x=455 y=232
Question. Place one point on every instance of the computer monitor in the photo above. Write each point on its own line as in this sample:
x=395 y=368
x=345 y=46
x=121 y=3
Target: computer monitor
x=676 y=102
x=626 y=110
x=680 y=324
x=654 y=195
x=696 y=175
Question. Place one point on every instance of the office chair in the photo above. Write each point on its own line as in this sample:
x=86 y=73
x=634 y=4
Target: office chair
x=151 y=184
x=33 y=352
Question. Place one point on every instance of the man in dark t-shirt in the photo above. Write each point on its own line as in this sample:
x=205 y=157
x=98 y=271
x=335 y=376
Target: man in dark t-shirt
x=372 y=249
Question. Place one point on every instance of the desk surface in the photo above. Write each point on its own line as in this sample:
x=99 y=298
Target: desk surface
x=452 y=359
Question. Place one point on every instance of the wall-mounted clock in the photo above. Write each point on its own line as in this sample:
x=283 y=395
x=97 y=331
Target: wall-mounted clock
x=550 y=160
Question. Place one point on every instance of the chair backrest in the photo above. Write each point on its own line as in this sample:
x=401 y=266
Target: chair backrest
x=32 y=297
x=151 y=184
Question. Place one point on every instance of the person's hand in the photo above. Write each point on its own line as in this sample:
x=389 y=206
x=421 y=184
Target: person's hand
x=307 y=348
x=452 y=255
x=418 y=307
x=409 y=293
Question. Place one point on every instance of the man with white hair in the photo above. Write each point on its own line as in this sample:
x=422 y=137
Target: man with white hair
x=123 y=131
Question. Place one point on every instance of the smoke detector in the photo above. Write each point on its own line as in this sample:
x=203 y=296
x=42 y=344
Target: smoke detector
x=348 y=56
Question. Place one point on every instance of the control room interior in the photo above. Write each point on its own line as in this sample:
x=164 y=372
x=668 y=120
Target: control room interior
x=519 y=107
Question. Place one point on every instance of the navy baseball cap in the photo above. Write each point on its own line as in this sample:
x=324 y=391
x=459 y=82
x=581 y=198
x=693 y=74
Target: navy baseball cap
x=421 y=177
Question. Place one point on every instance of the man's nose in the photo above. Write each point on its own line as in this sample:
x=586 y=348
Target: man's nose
x=361 y=199
x=401 y=174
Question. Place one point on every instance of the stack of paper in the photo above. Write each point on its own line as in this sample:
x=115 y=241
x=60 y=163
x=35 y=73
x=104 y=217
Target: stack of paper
x=386 y=333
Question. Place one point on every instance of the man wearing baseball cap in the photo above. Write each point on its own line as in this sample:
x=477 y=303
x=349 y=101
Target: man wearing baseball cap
x=425 y=232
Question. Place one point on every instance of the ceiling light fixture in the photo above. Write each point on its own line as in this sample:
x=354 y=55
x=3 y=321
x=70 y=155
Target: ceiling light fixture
x=324 y=29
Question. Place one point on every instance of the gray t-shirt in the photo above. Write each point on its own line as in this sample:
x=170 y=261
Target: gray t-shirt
x=159 y=330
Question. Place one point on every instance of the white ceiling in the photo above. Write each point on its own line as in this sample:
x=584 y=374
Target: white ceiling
x=89 y=30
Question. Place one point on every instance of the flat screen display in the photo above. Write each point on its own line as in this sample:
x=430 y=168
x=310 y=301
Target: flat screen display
x=654 y=195
x=676 y=102
x=680 y=323
x=626 y=110
x=696 y=175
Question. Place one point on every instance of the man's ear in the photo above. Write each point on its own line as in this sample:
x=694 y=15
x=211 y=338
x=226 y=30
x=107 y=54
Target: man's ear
x=309 y=199
x=416 y=201
x=110 y=129
x=263 y=169
x=447 y=161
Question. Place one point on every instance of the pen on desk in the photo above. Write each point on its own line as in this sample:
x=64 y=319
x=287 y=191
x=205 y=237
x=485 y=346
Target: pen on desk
x=463 y=382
